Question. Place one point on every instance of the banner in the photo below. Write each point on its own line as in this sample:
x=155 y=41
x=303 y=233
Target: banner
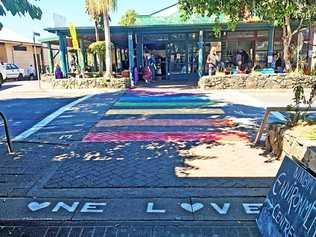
x=74 y=37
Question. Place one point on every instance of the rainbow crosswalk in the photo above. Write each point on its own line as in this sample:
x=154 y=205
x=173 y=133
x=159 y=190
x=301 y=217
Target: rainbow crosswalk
x=155 y=115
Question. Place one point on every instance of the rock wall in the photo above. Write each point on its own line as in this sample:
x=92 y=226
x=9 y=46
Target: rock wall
x=303 y=150
x=255 y=81
x=87 y=83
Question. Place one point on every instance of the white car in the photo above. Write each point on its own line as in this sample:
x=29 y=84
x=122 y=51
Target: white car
x=10 y=71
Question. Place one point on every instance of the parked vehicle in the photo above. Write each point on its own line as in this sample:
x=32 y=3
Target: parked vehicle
x=10 y=71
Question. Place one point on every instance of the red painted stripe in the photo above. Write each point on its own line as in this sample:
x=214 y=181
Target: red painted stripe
x=167 y=122
x=165 y=136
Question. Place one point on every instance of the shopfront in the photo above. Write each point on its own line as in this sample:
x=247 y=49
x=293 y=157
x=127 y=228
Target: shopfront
x=180 y=51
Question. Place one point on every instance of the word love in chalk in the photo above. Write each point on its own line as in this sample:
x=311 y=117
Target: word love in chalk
x=249 y=208
x=93 y=207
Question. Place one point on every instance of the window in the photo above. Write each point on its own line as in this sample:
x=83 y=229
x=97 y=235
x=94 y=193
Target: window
x=261 y=45
x=278 y=46
x=240 y=34
x=19 y=48
x=261 y=58
x=156 y=37
x=211 y=36
x=194 y=36
x=178 y=36
x=13 y=66
x=262 y=34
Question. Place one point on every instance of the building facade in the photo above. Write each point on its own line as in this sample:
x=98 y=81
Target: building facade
x=18 y=50
x=181 y=48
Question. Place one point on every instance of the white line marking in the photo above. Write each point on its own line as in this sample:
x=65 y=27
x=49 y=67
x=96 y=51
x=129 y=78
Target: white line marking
x=49 y=118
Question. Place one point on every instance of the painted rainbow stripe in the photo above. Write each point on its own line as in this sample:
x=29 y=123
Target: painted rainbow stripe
x=168 y=104
x=167 y=122
x=163 y=111
x=164 y=99
x=165 y=136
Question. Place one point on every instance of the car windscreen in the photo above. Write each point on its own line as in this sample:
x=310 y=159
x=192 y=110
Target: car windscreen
x=13 y=66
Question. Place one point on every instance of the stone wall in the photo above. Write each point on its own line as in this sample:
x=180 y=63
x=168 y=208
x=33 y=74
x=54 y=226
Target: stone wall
x=252 y=81
x=86 y=83
x=301 y=149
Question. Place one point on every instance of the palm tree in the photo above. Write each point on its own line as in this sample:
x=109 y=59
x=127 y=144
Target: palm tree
x=97 y=8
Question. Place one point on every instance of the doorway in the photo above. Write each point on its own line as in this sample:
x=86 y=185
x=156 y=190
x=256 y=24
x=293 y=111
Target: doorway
x=182 y=60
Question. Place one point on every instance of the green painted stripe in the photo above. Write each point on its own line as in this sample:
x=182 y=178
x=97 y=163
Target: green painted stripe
x=164 y=111
x=165 y=104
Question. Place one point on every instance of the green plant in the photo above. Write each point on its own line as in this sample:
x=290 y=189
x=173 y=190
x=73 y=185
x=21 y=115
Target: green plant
x=301 y=104
x=98 y=48
x=129 y=18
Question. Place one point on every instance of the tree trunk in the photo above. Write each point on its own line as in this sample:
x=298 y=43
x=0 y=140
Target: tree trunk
x=107 y=36
x=97 y=37
x=287 y=54
x=287 y=38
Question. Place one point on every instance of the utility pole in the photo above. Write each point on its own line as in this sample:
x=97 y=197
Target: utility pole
x=38 y=73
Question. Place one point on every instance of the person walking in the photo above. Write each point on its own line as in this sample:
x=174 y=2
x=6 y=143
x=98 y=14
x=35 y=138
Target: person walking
x=212 y=61
x=30 y=71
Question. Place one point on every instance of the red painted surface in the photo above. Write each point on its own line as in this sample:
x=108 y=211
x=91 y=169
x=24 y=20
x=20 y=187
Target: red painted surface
x=167 y=122
x=165 y=136
x=158 y=92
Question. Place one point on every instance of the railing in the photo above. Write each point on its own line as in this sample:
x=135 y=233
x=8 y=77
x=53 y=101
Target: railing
x=276 y=109
x=7 y=134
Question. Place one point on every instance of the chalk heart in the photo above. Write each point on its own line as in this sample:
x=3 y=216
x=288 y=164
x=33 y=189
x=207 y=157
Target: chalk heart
x=192 y=207
x=35 y=206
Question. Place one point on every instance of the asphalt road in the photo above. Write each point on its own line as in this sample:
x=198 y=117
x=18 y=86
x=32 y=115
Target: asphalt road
x=24 y=104
x=131 y=181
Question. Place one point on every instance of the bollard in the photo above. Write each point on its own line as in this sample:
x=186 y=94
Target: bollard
x=6 y=128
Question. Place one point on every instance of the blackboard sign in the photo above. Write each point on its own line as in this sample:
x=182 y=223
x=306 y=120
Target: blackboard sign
x=290 y=207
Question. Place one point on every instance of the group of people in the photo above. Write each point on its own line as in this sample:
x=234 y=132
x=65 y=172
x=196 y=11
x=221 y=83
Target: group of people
x=241 y=61
x=240 y=64
x=149 y=70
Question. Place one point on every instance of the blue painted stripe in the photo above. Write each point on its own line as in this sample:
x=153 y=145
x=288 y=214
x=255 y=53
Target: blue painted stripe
x=163 y=98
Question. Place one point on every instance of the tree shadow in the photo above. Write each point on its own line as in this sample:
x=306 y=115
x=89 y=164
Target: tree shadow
x=8 y=86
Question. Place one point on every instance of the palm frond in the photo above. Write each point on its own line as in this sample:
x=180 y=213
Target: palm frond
x=95 y=8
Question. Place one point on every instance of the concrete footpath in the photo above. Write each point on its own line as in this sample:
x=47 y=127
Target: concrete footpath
x=146 y=162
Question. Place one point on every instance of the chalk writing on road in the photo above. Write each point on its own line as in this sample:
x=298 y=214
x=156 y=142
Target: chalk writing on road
x=151 y=207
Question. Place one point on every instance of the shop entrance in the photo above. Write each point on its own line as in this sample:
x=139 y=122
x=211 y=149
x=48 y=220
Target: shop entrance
x=175 y=59
x=182 y=61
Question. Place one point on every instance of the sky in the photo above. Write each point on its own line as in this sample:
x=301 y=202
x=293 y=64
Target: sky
x=74 y=11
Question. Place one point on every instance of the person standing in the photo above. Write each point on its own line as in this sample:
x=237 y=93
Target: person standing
x=212 y=61
x=58 y=72
x=30 y=71
x=152 y=65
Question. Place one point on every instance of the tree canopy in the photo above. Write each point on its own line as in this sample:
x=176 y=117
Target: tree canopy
x=273 y=11
x=129 y=18
x=291 y=15
x=19 y=7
